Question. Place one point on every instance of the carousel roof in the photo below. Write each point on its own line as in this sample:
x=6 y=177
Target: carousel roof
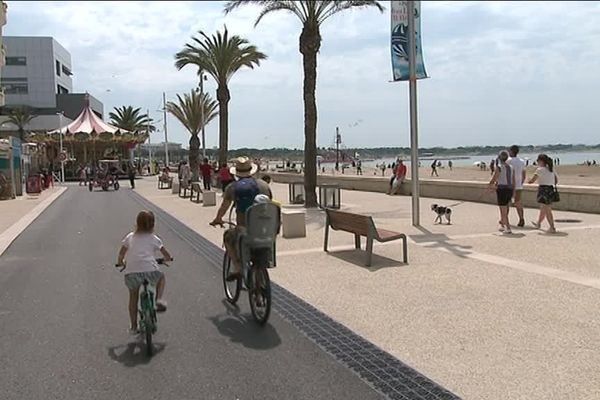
x=89 y=126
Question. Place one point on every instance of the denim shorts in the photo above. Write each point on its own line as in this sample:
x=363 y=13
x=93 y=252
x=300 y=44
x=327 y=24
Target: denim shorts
x=136 y=279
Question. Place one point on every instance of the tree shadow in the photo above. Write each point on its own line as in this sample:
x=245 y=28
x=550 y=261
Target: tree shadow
x=134 y=353
x=242 y=329
x=440 y=241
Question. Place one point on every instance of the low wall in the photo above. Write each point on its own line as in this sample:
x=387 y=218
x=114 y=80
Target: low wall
x=573 y=198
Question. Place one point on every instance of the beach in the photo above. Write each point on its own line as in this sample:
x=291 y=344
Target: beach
x=574 y=175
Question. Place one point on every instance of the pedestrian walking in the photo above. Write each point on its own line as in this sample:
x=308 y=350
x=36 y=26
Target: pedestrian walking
x=492 y=166
x=547 y=192
x=206 y=172
x=398 y=178
x=450 y=164
x=434 y=167
x=518 y=166
x=225 y=176
x=503 y=181
x=131 y=174
x=359 y=168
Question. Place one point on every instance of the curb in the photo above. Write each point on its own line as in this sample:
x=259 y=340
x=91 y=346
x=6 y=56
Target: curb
x=13 y=231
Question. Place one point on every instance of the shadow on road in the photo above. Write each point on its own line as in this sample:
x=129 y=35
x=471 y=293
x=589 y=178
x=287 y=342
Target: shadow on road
x=244 y=330
x=134 y=353
x=357 y=257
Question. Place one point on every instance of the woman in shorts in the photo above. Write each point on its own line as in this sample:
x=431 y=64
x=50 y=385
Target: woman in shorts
x=504 y=182
x=546 y=195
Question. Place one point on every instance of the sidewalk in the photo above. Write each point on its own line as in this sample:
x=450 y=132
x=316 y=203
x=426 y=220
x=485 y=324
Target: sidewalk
x=17 y=214
x=487 y=316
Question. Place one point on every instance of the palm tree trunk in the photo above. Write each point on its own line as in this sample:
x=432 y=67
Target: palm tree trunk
x=193 y=155
x=310 y=42
x=223 y=98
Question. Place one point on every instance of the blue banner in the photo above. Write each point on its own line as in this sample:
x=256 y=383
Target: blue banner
x=399 y=17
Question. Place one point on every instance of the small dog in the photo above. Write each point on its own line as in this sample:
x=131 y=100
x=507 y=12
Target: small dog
x=441 y=212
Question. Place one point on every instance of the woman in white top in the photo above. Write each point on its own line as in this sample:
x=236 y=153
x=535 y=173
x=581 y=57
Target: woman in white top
x=547 y=180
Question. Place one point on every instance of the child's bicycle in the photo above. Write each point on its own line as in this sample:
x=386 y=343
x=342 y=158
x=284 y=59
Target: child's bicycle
x=148 y=323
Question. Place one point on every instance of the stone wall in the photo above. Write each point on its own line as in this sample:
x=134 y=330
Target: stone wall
x=573 y=198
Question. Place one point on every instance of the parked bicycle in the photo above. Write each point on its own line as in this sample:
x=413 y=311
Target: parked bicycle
x=148 y=323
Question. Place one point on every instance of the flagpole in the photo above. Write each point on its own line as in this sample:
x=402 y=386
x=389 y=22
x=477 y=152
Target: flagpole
x=414 y=137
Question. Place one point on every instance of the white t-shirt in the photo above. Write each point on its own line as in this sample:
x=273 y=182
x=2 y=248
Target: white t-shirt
x=141 y=252
x=518 y=166
x=545 y=177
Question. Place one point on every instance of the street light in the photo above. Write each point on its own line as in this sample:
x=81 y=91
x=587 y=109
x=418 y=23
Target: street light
x=60 y=140
x=202 y=79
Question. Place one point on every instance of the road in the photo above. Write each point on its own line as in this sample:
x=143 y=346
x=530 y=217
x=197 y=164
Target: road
x=63 y=322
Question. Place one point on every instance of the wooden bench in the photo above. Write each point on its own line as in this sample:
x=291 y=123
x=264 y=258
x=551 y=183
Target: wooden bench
x=361 y=225
x=162 y=184
x=195 y=188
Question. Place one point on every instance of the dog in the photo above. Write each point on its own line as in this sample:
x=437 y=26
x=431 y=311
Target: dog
x=441 y=212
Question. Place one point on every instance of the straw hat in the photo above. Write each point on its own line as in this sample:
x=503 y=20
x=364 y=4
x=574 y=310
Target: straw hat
x=243 y=167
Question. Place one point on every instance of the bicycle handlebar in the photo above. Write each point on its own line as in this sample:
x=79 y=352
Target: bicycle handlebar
x=222 y=225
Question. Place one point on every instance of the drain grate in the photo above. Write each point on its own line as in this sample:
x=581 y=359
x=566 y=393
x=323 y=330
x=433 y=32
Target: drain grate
x=381 y=370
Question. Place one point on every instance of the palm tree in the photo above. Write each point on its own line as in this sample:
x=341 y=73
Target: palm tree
x=189 y=110
x=312 y=13
x=130 y=119
x=220 y=56
x=21 y=116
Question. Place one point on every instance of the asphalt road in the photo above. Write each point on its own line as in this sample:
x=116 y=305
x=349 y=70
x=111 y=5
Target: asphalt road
x=63 y=322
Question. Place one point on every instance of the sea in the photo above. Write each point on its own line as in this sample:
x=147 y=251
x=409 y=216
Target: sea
x=566 y=158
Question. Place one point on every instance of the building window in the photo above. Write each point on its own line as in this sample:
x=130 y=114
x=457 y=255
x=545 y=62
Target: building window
x=57 y=68
x=16 y=60
x=61 y=89
x=66 y=70
x=15 y=88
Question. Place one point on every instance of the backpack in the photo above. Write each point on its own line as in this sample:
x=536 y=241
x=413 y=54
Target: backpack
x=246 y=189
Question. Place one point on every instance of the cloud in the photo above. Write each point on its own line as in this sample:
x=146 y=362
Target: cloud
x=500 y=71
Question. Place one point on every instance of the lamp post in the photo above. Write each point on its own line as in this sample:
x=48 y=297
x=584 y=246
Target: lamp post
x=202 y=78
x=414 y=135
x=165 y=126
x=60 y=140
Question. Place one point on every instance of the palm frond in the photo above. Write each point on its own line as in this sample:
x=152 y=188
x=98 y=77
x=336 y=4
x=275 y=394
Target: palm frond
x=298 y=8
x=334 y=7
x=191 y=108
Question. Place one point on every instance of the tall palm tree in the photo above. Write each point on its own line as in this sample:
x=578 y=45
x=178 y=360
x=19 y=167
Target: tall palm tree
x=189 y=110
x=21 y=116
x=220 y=56
x=312 y=13
x=130 y=119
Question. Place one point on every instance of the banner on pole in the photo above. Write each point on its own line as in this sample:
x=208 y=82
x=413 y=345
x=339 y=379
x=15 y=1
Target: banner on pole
x=400 y=35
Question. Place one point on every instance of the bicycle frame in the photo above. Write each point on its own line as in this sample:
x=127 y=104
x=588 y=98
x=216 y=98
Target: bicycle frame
x=147 y=312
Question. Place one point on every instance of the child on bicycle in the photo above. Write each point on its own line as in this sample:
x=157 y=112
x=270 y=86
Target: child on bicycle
x=137 y=254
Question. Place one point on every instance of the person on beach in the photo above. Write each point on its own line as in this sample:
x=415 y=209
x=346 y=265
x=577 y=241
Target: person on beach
x=547 y=194
x=398 y=178
x=450 y=164
x=434 y=166
x=492 y=166
x=518 y=166
x=359 y=167
x=504 y=182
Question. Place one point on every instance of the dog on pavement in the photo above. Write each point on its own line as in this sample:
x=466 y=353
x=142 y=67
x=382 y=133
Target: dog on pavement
x=442 y=212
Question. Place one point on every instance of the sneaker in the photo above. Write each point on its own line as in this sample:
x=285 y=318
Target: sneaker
x=535 y=225
x=501 y=228
x=551 y=230
x=161 y=306
x=507 y=232
x=134 y=332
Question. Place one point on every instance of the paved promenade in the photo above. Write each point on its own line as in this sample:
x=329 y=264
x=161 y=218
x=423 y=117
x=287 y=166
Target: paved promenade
x=487 y=316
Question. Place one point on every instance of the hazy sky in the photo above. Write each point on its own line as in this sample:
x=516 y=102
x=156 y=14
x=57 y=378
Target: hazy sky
x=501 y=72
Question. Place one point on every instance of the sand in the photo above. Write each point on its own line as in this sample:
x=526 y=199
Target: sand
x=575 y=175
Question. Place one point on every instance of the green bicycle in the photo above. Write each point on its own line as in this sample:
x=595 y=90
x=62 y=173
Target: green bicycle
x=148 y=323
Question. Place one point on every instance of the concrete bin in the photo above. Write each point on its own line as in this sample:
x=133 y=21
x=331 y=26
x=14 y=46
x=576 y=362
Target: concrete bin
x=175 y=188
x=293 y=224
x=209 y=198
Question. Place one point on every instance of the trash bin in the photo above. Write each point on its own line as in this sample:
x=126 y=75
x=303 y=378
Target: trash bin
x=33 y=184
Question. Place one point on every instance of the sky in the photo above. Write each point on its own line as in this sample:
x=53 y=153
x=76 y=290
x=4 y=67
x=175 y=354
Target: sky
x=500 y=72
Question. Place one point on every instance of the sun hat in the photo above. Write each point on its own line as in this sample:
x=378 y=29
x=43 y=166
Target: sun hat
x=243 y=168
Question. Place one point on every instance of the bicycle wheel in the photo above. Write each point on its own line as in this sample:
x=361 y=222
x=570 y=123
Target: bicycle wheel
x=233 y=288
x=259 y=294
x=148 y=328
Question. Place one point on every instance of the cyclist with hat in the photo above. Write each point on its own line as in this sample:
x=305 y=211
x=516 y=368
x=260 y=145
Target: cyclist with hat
x=241 y=194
